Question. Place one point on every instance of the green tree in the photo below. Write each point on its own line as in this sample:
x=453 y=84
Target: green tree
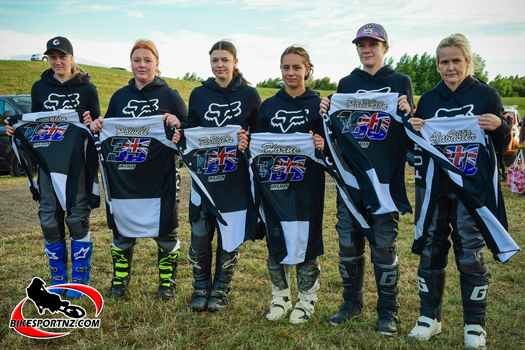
x=192 y=77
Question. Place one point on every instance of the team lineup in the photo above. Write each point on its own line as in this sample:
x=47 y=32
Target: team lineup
x=270 y=158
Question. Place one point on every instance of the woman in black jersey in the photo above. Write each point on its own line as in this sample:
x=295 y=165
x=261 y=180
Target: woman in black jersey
x=225 y=99
x=303 y=104
x=459 y=93
x=387 y=155
x=65 y=86
x=146 y=95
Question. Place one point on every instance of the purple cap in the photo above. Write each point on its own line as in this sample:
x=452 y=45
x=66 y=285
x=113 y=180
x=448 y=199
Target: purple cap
x=371 y=30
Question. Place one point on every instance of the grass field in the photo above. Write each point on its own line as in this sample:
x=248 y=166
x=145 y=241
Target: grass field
x=140 y=321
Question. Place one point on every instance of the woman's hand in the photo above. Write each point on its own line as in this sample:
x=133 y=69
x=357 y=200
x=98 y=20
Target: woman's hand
x=96 y=125
x=242 y=136
x=417 y=123
x=87 y=118
x=171 y=120
x=10 y=131
x=318 y=141
x=176 y=136
x=403 y=105
x=324 y=106
x=489 y=121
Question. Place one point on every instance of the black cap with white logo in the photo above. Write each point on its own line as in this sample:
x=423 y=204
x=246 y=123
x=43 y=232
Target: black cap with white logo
x=61 y=44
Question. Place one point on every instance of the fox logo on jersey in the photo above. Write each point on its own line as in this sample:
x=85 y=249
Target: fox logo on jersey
x=463 y=157
x=209 y=160
x=277 y=169
x=285 y=120
x=129 y=150
x=221 y=113
x=372 y=125
x=137 y=108
x=465 y=110
x=55 y=101
x=49 y=132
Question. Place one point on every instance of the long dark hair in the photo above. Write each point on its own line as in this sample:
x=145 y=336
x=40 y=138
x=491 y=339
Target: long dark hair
x=228 y=46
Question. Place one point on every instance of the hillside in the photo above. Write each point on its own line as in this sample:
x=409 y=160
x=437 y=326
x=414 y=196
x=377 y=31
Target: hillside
x=19 y=76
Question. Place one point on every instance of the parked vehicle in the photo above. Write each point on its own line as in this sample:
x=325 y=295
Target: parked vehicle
x=39 y=57
x=511 y=153
x=281 y=84
x=14 y=104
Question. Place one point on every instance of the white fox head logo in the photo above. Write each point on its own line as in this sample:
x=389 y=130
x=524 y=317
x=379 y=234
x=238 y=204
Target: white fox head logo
x=221 y=113
x=465 y=110
x=55 y=101
x=285 y=120
x=137 y=108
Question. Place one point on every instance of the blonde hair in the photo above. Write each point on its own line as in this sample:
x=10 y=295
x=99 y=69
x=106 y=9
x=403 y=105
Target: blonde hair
x=300 y=51
x=228 y=46
x=77 y=71
x=147 y=45
x=461 y=42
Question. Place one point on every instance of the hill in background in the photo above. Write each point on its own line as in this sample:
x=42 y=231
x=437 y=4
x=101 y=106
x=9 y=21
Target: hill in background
x=19 y=76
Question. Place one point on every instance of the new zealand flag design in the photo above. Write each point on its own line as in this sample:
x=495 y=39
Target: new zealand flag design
x=49 y=132
x=129 y=150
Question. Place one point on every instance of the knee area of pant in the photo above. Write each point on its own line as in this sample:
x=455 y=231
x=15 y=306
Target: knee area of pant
x=435 y=256
x=384 y=255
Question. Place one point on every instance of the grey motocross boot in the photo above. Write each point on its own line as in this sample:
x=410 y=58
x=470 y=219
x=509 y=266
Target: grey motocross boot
x=201 y=264
x=224 y=271
x=387 y=277
x=352 y=271
x=431 y=289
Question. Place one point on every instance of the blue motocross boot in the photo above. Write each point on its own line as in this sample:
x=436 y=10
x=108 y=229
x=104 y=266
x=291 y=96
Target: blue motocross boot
x=57 y=256
x=81 y=269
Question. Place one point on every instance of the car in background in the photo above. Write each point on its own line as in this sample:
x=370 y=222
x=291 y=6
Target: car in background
x=281 y=84
x=39 y=57
x=15 y=105
x=511 y=153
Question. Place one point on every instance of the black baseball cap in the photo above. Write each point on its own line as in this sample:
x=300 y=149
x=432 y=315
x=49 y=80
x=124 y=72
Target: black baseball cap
x=61 y=44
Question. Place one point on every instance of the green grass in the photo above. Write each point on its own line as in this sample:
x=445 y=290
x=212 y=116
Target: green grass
x=19 y=76
x=139 y=321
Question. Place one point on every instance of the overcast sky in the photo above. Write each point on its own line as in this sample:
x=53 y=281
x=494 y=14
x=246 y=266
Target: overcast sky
x=184 y=30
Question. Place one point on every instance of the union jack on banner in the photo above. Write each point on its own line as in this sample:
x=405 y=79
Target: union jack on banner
x=374 y=126
x=129 y=150
x=463 y=158
x=226 y=156
x=49 y=132
x=285 y=165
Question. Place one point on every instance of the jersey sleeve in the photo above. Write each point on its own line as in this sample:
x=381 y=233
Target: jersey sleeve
x=501 y=136
x=92 y=102
x=35 y=105
x=178 y=106
x=193 y=119
x=254 y=114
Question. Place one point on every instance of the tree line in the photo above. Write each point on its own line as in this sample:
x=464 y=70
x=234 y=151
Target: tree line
x=421 y=69
x=316 y=84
